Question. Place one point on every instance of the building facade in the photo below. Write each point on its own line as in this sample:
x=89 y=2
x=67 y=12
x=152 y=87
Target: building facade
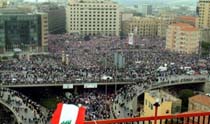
x=146 y=9
x=168 y=104
x=199 y=103
x=56 y=17
x=182 y=38
x=21 y=29
x=165 y=19
x=3 y=3
x=93 y=17
x=203 y=19
x=144 y=26
x=203 y=13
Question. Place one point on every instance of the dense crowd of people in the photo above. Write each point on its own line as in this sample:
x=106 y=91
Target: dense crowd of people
x=27 y=110
x=93 y=59
x=97 y=103
x=147 y=63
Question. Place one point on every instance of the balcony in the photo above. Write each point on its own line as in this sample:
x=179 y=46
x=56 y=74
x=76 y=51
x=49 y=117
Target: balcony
x=185 y=118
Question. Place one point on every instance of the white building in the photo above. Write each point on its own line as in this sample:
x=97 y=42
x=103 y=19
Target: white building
x=93 y=17
x=147 y=9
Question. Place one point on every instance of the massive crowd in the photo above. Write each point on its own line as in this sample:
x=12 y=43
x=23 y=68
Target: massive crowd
x=147 y=62
x=91 y=60
x=97 y=103
x=27 y=110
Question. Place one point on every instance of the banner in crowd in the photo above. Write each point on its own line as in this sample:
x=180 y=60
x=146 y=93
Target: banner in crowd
x=130 y=39
x=90 y=85
x=67 y=86
x=68 y=114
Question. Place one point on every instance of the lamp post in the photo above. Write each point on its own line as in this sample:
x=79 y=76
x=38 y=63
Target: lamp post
x=156 y=104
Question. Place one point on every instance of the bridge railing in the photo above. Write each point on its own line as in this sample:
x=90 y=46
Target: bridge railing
x=187 y=118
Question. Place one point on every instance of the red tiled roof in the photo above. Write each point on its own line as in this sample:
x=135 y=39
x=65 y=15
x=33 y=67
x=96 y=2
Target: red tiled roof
x=185 y=27
x=202 y=99
x=188 y=18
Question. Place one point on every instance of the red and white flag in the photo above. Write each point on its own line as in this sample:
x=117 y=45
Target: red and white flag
x=68 y=114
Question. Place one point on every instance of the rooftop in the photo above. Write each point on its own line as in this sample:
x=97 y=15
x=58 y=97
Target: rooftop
x=203 y=99
x=162 y=95
x=187 y=18
x=185 y=27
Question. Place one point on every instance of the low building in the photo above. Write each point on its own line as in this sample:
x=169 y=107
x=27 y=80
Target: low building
x=142 y=26
x=22 y=29
x=183 y=38
x=199 y=103
x=168 y=104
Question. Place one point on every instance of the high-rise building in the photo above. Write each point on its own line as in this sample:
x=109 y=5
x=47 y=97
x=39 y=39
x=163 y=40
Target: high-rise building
x=22 y=29
x=203 y=12
x=56 y=17
x=203 y=19
x=147 y=9
x=144 y=26
x=182 y=38
x=93 y=17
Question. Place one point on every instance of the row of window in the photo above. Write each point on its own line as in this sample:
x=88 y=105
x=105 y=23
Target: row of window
x=71 y=15
x=110 y=19
x=94 y=22
x=93 y=25
x=85 y=5
x=94 y=9
x=147 y=103
x=93 y=12
x=94 y=29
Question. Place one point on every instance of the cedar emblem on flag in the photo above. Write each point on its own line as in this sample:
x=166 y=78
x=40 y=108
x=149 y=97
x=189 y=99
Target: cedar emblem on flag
x=68 y=114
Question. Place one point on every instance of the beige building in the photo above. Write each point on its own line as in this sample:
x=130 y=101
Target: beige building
x=182 y=38
x=93 y=17
x=165 y=20
x=203 y=19
x=169 y=104
x=126 y=16
x=203 y=14
x=199 y=103
x=142 y=26
x=3 y=3
x=44 y=30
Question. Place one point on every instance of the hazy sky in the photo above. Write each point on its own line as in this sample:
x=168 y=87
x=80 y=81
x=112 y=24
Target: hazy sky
x=140 y=1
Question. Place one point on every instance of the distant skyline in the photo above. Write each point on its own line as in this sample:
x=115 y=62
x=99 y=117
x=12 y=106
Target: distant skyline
x=138 y=1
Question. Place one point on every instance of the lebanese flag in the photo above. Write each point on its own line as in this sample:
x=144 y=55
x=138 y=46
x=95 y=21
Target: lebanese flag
x=68 y=114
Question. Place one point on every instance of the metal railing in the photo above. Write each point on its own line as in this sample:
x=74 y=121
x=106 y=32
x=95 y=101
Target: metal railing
x=185 y=118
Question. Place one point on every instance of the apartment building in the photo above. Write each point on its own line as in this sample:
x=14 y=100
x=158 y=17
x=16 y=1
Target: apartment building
x=144 y=26
x=183 y=38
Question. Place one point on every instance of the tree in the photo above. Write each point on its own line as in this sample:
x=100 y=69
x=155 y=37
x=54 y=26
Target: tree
x=87 y=38
x=184 y=96
x=205 y=46
x=122 y=35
